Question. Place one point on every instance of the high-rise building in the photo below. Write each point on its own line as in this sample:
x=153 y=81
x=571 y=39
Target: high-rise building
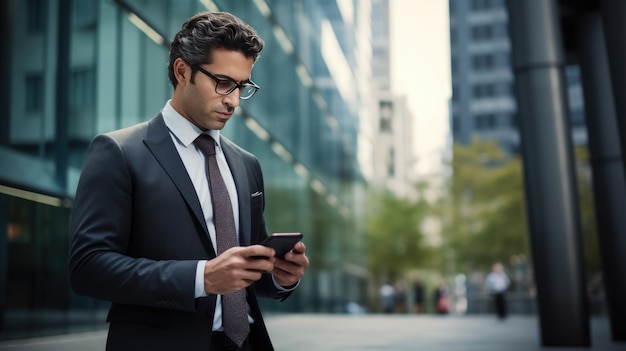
x=483 y=102
x=483 y=98
x=390 y=133
x=381 y=44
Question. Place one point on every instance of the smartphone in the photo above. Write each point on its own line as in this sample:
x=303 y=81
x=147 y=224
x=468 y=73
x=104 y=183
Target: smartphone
x=282 y=242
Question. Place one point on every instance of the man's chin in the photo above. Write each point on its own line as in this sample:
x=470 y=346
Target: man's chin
x=219 y=125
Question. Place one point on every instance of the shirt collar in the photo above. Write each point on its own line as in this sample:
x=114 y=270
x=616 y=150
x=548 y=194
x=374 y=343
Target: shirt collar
x=185 y=131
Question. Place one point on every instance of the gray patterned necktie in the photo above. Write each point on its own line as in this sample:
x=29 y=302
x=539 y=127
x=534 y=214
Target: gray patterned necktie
x=234 y=307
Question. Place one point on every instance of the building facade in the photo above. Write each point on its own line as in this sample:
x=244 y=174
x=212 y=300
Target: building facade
x=389 y=134
x=78 y=68
x=483 y=98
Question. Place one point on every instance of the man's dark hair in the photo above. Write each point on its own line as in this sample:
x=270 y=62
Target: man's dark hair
x=206 y=31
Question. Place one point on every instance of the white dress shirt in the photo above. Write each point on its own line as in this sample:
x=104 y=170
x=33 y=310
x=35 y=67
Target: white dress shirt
x=497 y=282
x=183 y=134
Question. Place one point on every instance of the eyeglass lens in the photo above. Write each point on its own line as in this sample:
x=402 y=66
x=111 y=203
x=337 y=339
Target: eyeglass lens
x=226 y=87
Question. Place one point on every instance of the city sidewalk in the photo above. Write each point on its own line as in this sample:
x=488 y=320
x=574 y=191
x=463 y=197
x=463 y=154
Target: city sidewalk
x=322 y=332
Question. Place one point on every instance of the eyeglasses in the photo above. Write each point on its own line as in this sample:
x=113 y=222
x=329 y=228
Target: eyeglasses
x=225 y=86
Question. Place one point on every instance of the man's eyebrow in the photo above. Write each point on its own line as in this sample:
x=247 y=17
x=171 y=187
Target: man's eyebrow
x=224 y=76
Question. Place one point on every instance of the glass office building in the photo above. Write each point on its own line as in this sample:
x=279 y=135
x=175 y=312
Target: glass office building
x=76 y=68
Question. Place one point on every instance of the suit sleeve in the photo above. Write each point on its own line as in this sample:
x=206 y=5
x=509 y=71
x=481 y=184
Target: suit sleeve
x=100 y=233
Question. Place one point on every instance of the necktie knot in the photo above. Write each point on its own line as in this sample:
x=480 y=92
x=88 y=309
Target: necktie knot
x=206 y=144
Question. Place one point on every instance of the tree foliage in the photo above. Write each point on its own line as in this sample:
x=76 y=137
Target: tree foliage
x=395 y=237
x=482 y=211
x=486 y=219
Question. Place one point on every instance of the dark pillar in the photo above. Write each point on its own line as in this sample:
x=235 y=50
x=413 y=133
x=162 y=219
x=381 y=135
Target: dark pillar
x=614 y=20
x=609 y=187
x=6 y=14
x=551 y=197
x=63 y=77
x=4 y=255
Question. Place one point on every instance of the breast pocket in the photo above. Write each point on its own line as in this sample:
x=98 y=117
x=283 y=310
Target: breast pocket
x=256 y=212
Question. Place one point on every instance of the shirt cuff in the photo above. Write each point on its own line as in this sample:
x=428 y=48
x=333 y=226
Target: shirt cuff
x=285 y=288
x=199 y=292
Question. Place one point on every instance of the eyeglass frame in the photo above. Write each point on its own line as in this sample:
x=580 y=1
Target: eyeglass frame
x=235 y=84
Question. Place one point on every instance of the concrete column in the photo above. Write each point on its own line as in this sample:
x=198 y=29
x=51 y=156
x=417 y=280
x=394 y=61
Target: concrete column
x=4 y=255
x=62 y=108
x=614 y=20
x=607 y=165
x=6 y=25
x=550 y=184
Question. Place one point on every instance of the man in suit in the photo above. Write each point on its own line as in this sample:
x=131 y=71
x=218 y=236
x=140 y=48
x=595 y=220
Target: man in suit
x=143 y=231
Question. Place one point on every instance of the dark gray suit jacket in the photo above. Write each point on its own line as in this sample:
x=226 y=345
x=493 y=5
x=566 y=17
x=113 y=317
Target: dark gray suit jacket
x=137 y=232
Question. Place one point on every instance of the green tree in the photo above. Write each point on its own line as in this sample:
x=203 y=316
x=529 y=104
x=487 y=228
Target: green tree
x=394 y=234
x=484 y=212
x=484 y=208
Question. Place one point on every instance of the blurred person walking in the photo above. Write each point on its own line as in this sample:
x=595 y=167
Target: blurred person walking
x=167 y=212
x=387 y=296
x=441 y=299
x=418 y=297
x=400 y=298
x=497 y=283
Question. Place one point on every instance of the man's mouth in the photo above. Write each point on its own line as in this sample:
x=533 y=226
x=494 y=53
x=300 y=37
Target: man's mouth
x=225 y=115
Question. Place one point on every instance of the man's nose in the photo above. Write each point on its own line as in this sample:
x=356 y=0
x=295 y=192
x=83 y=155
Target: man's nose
x=232 y=99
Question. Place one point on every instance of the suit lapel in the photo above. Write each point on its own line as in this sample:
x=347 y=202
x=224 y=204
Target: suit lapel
x=159 y=142
x=240 y=175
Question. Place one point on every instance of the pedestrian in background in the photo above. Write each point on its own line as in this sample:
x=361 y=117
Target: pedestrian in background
x=441 y=299
x=387 y=296
x=497 y=284
x=418 y=297
x=400 y=298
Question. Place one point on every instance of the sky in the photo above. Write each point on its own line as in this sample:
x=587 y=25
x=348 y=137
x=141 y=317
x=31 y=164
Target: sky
x=420 y=70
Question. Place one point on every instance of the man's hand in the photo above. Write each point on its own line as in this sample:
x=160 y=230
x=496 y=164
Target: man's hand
x=237 y=268
x=287 y=272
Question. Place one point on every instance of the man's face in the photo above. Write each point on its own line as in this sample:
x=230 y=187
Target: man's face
x=199 y=102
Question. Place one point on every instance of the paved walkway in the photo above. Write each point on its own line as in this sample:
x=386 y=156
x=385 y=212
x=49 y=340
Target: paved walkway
x=320 y=332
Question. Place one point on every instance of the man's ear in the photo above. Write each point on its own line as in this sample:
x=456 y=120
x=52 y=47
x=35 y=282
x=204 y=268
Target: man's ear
x=182 y=71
